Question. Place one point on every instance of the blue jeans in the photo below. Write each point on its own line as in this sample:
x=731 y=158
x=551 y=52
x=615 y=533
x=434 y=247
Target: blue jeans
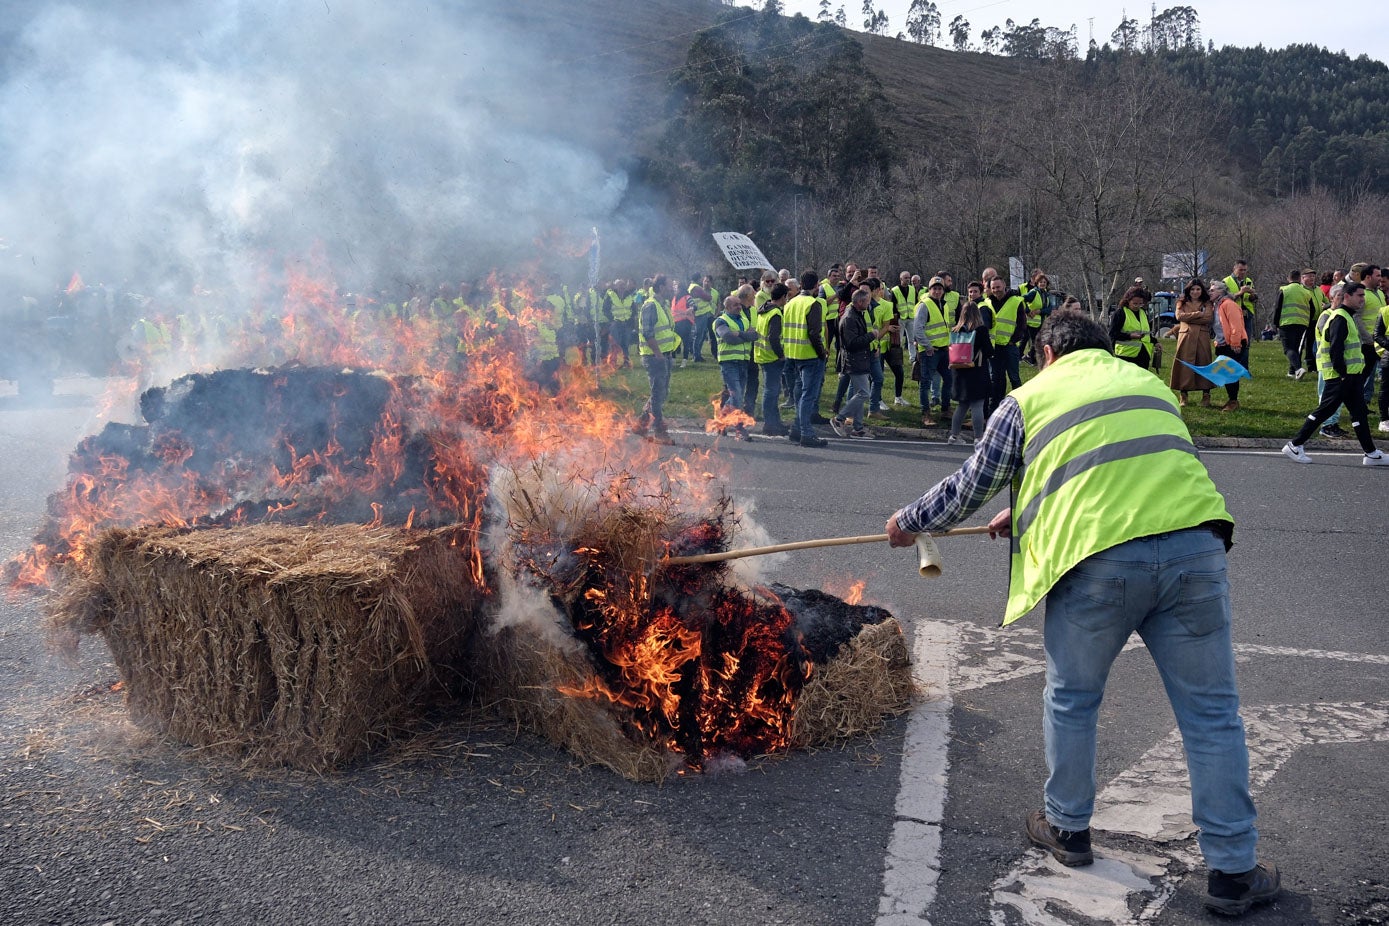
x=860 y=387
x=750 y=377
x=735 y=383
x=658 y=375
x=936 y=380
x=875 y=375
x=809 y=378
x=771 y=393
x=703 y=331
x=1173 y=590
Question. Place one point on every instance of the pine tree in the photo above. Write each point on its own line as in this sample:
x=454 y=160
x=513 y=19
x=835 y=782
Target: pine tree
x=824 y=15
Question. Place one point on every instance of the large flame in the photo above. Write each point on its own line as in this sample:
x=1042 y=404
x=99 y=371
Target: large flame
x=701 y=674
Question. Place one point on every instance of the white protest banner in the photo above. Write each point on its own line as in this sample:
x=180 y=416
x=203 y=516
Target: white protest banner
x=741 y=252
x=1015 y=272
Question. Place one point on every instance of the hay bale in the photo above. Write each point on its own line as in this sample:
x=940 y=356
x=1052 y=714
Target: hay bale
x=280 y=644
x=850 y=693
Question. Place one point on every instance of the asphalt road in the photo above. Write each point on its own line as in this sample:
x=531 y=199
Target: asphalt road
x=477 y=823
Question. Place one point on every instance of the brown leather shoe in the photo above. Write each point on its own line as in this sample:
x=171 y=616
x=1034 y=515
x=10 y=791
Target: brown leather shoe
x=1070 y=849
x=1231 y=406
x=1205 y=400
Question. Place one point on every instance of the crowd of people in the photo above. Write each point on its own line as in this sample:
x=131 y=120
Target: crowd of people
x=782 y=335
x=953 y=353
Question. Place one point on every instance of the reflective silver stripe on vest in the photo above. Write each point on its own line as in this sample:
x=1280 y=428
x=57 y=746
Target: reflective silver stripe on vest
x=1075 y=416
x=1109 y=453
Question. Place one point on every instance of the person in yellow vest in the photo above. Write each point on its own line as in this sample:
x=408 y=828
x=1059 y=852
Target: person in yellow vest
x=658 y=345
x=736 y=335
x=1129 y=328
x=702 y=301
x=1036 y=296
x=1341 y=362
x=543 y=349
x=882 y=318
x=1373 y=279
x=951 y=299
x=901 y=351
x=1006 y=328
x=1241 y=289
x=768 y=353
x=828 y=291
x=1296 y=306
x=803 y=329
x=1381 y=338
x=620 y=305
x=932 y=337
x=1077 y=445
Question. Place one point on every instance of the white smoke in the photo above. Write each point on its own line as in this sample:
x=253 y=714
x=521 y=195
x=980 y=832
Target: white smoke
x=190 y=143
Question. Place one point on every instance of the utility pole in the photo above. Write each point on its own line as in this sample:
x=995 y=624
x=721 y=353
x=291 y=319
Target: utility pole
x=796 y=224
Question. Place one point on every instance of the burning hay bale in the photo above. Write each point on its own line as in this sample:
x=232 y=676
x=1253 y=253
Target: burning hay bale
x=646 y=667
x=489 y=549
x=300 y=645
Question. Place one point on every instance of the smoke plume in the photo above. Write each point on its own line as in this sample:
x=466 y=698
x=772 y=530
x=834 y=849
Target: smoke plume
x=184 y=144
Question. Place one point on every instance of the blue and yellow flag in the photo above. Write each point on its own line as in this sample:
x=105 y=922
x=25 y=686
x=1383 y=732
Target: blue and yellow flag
x=1222 y=372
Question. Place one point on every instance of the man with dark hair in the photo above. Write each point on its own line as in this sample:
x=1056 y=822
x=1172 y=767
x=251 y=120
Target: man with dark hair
x=658 y=345
x=1343 y=367
x=1096 y=433
x=802 y=328
x=1296 y=306
x=1241 y=289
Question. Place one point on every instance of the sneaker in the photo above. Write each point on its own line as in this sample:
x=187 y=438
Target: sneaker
x=743 y=436
x=1378 y=458
x=819 y=419
x=840 y=426
x=958 y=439
x=1296 y=454
x=1299 y=373
x=927 y=421
x=793 y=436
x=1232 y=895
x=1333 y=431
x=865 y=434
x=882 y=406
x=775 y=432
x=1384 y=426
x=899 y=401
x=786 y=404
x=1070 y=849
x=814 y=442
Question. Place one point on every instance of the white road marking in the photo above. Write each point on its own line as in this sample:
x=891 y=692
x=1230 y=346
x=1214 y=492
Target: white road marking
x=1152 y=800
x=990 y=655
x=912 y=867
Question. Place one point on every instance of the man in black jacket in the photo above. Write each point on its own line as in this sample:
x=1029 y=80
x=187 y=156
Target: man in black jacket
x=855 y=342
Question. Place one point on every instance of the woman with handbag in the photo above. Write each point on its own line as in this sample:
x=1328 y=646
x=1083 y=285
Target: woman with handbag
x=970 y=350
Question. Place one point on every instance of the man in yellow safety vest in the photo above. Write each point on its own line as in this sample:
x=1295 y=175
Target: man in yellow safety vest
x=1094 y=433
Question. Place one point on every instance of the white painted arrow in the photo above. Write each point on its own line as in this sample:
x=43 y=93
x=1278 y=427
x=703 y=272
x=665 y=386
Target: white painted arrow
x=1153 y=800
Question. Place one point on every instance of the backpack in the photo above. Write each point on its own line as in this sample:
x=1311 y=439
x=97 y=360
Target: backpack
x=961 y=350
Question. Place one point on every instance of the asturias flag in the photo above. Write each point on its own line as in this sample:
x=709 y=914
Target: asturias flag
x=1223 y=372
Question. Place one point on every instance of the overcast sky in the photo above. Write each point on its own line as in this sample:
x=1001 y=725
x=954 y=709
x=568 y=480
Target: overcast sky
x=1354 y=26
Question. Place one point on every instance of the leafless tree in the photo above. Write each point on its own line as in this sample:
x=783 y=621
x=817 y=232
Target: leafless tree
x=1111 y=156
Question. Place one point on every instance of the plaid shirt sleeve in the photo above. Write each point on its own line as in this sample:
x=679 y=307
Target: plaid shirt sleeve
x=997 y=456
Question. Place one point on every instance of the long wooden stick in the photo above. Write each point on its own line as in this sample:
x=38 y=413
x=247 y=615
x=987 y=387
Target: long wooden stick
x=806 y=545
